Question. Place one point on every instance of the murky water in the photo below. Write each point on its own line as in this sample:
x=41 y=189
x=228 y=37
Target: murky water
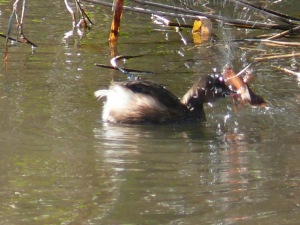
x=61 y=165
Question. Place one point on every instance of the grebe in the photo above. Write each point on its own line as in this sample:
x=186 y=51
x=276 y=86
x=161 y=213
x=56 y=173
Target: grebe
x=136 y=102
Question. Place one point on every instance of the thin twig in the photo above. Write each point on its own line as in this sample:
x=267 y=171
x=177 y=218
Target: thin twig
x=242 y=23
x=287 y=70
x=114 y=64
x=282 y=17
x=191 y=14
x=270 y=42
x=69 y=8
x=282 y=34
x=82 y=13
x=259 y=59
x=129 y=70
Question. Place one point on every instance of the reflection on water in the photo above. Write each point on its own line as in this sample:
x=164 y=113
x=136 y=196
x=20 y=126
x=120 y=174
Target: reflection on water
x=60 y=165
x=178 y=182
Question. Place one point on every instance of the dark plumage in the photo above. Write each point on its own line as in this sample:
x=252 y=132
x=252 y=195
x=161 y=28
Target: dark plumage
x=147 y=102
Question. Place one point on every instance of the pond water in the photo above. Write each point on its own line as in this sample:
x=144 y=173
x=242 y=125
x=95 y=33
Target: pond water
x=60 y=164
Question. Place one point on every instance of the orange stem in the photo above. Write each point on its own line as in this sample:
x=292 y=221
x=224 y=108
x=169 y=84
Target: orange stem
x=116 y=21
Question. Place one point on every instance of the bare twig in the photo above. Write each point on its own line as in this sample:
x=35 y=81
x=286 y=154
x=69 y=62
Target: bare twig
x=84 y=16
x=13 y=16
x=282 y=17
x=69 y=8
x=270 y=42
x=129 y=70
x=287 y=71
x=128 y=73
x=162 y=20
x=282 y=34
x=259 y=59
x=192 y=14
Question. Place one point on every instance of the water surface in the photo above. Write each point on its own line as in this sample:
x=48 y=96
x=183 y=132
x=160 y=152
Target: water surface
x=60 y=164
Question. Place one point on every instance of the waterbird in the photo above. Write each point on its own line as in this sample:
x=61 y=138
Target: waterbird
x=146 y=102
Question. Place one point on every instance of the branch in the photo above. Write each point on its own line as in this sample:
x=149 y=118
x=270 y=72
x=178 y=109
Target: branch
x=191 y=14
x=282 y=17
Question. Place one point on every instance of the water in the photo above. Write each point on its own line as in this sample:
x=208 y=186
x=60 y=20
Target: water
x=61 y=165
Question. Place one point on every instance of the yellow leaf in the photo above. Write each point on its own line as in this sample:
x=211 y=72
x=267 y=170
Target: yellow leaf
x=197 y=26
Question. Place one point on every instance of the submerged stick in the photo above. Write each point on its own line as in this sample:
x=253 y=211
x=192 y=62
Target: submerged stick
x=129 y=70
x=113 y=62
